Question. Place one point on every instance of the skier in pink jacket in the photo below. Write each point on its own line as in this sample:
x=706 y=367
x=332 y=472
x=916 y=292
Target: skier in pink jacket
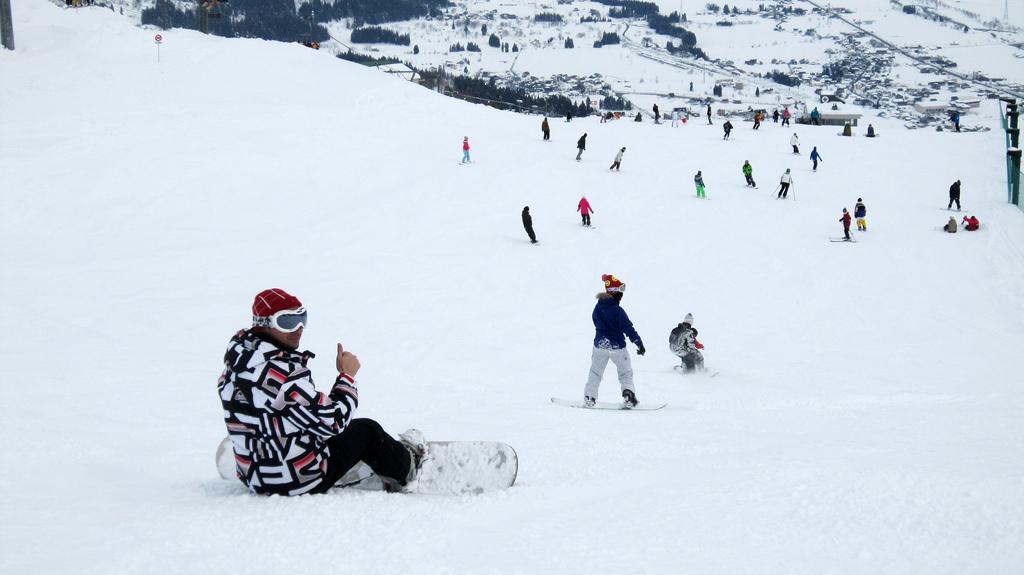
x=585 y=210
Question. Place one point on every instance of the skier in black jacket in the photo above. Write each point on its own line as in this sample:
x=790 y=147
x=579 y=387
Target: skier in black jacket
x=528 y=224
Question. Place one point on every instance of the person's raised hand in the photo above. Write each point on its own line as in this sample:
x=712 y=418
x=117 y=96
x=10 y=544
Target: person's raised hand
x=347 y=362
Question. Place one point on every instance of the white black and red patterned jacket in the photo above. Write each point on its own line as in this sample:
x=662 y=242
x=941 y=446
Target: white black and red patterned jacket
x=277 y=420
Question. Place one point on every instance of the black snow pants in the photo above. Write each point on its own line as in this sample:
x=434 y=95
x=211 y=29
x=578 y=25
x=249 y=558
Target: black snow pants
x=783 y=190
x=365 y=440
x=954 y=198
x=586 y=219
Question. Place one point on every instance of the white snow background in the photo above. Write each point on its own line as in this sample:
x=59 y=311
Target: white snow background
x=867 y=417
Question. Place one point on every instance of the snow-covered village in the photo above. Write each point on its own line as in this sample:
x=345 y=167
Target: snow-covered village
x=487 y=286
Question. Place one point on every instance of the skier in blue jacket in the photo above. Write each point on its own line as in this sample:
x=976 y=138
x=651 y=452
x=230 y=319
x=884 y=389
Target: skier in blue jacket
x=611 y=324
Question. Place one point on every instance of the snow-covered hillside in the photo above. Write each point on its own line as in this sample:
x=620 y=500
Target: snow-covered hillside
x=866 y=418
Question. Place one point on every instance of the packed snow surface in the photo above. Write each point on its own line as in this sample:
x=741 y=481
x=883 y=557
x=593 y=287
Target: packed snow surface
x=866 y=418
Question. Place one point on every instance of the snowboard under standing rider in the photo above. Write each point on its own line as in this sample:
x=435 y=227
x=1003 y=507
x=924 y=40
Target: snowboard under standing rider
x=289 y=438
x=683 y=342
x=611 y=327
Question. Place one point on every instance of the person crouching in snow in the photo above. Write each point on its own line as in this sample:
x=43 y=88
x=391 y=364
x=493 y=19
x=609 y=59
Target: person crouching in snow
x=289 y=438
x=610 y=325
x=585 y=210
x=683 y=342
x=972 y=223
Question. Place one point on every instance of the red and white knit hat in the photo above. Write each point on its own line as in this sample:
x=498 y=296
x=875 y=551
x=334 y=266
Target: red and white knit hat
x=270 y=301
x=612 y=284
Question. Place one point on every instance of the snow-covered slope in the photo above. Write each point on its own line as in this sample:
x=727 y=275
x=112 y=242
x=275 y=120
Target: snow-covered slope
x=866 y=418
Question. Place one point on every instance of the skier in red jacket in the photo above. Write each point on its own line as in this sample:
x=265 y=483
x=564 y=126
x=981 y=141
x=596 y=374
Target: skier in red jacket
x=846 y=223
x=972 y=223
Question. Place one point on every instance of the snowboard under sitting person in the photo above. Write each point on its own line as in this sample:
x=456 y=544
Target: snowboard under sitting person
x=289 y=438
x=683 y=342
x=611 y=327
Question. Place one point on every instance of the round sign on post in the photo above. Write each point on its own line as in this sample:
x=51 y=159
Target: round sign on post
x=158 y=38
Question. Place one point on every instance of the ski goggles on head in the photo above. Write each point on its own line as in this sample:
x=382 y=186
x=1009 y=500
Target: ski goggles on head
x=286 y=320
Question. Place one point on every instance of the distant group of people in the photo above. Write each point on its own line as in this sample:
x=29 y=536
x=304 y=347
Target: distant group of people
x=785 y=181
x=77 y=3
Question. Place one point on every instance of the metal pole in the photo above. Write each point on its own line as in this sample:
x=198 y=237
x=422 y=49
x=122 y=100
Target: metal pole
x=6 y=25
x=1013 y=157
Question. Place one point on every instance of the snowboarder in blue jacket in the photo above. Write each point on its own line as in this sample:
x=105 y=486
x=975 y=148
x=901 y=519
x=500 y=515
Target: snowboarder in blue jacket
x=611 y=327
x=816 y=157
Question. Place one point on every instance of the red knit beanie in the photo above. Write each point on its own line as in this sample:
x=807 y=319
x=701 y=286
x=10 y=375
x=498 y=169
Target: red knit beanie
x=270 y=301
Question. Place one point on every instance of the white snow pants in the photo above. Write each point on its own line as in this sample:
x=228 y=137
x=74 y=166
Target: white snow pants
x=599 y=361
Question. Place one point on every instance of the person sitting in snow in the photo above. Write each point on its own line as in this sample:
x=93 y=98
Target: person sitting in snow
x=950 y=225
x=289 y=438
x=972 y=223
x=683 y=342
